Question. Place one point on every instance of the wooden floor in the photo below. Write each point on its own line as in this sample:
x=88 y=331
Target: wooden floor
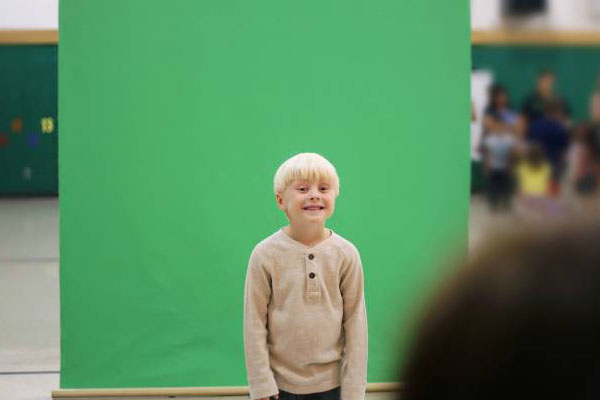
x=369 y=396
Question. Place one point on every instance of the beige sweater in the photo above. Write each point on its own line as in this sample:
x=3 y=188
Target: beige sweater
x=305 y=320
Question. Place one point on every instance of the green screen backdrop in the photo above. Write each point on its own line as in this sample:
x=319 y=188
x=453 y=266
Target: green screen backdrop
x=174 y=118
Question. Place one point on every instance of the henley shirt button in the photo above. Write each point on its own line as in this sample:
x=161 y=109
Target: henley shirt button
x=311 y=256
x=311 y=275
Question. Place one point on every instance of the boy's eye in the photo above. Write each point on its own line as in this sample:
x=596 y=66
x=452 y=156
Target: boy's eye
x=324 y=188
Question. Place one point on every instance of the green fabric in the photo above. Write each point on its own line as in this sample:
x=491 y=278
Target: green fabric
x=174 y=118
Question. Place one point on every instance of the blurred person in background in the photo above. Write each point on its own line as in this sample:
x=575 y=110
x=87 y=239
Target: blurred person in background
x=535 y=105
x=551 y=134
x=498 y=115
x=499 y=148
x=595 y=103
x=520 y=320
x=534 y=175
x=583 y=168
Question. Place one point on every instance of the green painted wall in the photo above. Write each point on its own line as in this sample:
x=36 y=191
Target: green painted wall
x=516 y=67
x=28 y=92
x=174 y=118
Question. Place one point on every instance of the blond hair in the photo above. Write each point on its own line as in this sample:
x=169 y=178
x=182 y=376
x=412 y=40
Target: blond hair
x=310 y=166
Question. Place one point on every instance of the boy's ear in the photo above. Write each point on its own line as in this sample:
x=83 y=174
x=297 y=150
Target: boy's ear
x=279 y=200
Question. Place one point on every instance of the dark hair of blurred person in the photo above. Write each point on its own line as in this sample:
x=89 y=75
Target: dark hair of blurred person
x=498 y=116
x=498 y=97
x=520 y=321
x=534 y=156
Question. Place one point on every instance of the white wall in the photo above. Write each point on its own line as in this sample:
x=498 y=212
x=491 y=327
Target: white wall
x=485 y=14
x=29 y=14
x=562 y=15
x=480 y=83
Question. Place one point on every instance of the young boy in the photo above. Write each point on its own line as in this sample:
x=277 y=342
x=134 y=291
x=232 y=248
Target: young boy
x=305 y=322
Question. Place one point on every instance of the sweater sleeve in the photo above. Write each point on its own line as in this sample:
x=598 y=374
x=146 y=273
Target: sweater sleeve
x=354 y=360
x=256 y=299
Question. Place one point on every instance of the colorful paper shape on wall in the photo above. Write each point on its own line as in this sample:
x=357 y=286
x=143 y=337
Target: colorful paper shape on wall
x=47 y=125
x=16 y=125
x=33 y=140
x=3 y=140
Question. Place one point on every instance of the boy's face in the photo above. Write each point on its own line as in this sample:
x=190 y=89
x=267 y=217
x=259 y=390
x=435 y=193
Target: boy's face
x=306 y=202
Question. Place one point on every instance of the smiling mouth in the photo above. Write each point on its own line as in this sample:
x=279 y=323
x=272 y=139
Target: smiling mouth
x=313 y=208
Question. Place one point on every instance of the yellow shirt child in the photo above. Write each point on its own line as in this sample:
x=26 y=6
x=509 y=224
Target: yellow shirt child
x=534 y=180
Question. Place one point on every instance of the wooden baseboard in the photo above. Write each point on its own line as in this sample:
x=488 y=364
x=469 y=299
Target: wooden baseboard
x=189 y=391
x=478 y=37
x=535 y=37
x=16 y=37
